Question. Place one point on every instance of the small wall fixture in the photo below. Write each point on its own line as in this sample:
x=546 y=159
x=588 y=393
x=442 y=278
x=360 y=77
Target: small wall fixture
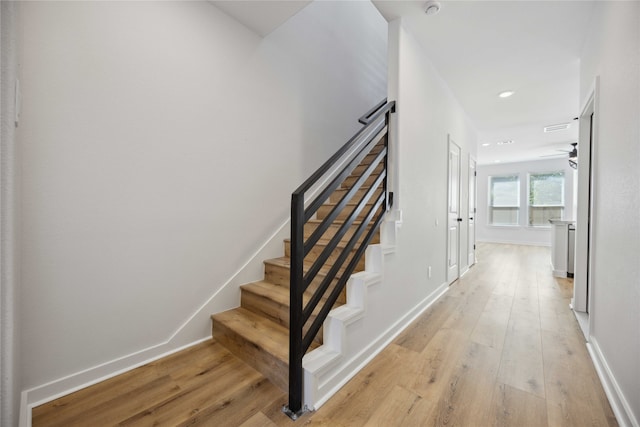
x=506 y=94
x=432 y=7
x=555 y=128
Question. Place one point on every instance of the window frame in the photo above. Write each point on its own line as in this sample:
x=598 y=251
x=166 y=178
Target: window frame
x=517 y=206
x=563 y=196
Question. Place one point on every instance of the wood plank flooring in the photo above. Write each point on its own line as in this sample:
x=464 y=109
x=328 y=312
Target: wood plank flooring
x=501 y=348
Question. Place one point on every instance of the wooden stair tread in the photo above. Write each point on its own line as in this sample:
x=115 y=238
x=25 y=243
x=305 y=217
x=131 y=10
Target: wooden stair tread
x=341 y=192
x=264 y=334
x=351 y=180
x=362 y=187
x=335 y=222
x=276 y=293
x=376 y=148
x=348 y=204
x=358 y=170
x=286 y=262
x=323 y=241
x=273 y=301
x=257 y=340
x=282 y=261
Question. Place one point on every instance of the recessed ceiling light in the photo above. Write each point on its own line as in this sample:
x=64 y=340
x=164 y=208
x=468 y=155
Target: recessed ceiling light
x=486 y=144
x=497 y=161
x=554 y=128
x=506 y=142
x=431 y=7
x=506 y=94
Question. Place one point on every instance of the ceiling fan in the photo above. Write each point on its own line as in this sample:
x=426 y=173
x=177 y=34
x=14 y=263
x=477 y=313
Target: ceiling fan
x=573 y=152
x=573 y=155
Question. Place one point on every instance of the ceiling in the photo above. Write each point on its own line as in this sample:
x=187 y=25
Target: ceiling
x=261 y=16
x=481 y=48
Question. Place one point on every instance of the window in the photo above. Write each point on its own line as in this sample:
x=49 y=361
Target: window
x=504 y=199
x=546 y=197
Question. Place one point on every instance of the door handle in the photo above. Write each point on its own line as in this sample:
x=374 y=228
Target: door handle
x=459 y=219
x=471 y=218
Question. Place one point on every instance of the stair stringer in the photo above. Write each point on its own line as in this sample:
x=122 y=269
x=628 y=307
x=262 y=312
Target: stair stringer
x=331 y=365
x=346 y=352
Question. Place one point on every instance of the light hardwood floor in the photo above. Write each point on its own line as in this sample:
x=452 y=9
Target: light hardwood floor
x=501 y=348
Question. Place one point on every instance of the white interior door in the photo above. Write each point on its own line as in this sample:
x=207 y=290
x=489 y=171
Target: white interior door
x=471 y=236
x=453 y=213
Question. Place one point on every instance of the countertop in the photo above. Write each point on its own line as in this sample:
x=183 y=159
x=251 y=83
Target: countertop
x=562 y=222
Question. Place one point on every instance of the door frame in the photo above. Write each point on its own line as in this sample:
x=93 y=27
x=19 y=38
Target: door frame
x=9 y=219
x=451 y=142
x=472 y=215
x=585 y=226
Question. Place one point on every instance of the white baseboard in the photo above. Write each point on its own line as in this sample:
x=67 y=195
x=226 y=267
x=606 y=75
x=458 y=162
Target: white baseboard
x=61 y=387
x=348 y=370
x=583 y=322
x=559 y=273
x=190 y=333
x=464 y=270
x=619 y=404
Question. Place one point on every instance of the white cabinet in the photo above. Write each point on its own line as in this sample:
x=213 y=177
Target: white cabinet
x=560 y=246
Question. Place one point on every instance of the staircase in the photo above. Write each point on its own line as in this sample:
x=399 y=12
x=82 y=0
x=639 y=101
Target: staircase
x=257 y=331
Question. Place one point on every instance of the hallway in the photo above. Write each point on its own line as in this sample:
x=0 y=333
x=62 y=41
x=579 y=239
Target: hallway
x=501 y=347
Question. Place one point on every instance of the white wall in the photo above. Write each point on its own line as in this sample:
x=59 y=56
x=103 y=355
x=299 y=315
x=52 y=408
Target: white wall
x=427 y=114
x=612 y=51
x=10 y=356
x=161 y=144
x=521 y=234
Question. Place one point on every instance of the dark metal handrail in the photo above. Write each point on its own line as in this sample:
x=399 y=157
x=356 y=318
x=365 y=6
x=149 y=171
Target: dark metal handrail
x=351 y=155
x=365 y=119
x=334 y=159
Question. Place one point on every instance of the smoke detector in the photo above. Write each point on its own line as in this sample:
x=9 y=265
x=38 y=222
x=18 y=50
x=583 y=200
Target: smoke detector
x=432 y=7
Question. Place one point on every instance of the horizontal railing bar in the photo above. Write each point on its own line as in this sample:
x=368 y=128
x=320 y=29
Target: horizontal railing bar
x=319 y=262
x=330 y=218
x=364 y=119
x=329 y=163
x=333 y=297
x=318 y=293
x=335 y=183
